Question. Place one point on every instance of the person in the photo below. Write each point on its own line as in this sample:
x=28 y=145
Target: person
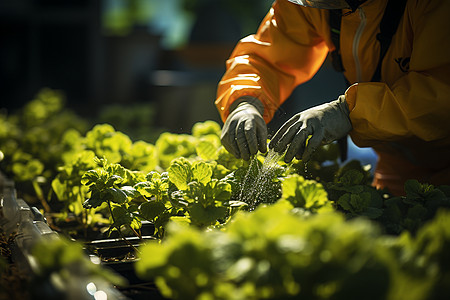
x=405 y=117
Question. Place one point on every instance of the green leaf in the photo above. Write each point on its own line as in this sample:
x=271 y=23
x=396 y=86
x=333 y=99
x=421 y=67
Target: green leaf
x=435 y=198
x=96 y=199
x=352 y=177
x=353 y=189
x=376 y=199
x=28 y=170
x=90 y=177
x=413 y=188
x=205 y=216
x=237 y=203
x=202 y=172
x=221 y=191
x=172 y=146
x=156 y=185
x=205 y=128
x=150 y=210
x=372 y=212
x=392 y=210
x=207 y=151
x=304 y=193
x=59 y=189
x=114 y=179
x=145 y=189
x=143 y=157
x=417 y=212
x=151 y=176
x=289 y=186
x=344 y=202
x=195 y=191
x=359 y=202
x=121 y=216
x=117 y=170
x=130 y=191
x=118 y=196
x=180 y=173
x=136 y=223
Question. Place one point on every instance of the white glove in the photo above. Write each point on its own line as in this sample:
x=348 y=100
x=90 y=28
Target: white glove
x=245 y=130
x=325 y=123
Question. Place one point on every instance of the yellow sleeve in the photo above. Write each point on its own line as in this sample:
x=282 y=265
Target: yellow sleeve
x=416 y=105
x=287 y=50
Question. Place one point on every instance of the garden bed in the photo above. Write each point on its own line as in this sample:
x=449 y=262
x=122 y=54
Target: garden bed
x=184 y=219
x=23 y=227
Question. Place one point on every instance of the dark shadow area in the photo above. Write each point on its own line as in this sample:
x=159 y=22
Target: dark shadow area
x=114 y=53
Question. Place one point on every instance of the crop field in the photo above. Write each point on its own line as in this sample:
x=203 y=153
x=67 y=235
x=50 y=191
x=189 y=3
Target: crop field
x=187 y=220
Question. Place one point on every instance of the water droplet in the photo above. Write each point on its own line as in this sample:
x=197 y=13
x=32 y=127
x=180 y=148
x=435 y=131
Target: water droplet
x=254 y=189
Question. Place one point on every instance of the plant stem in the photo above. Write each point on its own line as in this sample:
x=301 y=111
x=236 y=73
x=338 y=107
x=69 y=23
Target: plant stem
x=120 y=232
x=85 y=223
x=84 y=215
x=136 y=233
x=40 y=196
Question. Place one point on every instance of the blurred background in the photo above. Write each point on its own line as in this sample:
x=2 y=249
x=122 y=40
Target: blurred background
x=169 y=54
x=135 y=63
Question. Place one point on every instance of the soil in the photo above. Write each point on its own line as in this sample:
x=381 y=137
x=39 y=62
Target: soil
x=13 y=283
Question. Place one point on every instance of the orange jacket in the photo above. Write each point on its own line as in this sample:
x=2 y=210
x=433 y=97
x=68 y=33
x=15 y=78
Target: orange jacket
x=406 y=115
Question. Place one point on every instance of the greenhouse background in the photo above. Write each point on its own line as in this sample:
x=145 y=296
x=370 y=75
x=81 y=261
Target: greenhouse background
x=161 y=57
x=114 y=183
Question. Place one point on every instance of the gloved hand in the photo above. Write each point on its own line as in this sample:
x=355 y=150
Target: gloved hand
x=325 y=123
x=245 y=130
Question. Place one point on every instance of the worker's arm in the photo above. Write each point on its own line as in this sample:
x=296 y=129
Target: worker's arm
x=286 y=51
